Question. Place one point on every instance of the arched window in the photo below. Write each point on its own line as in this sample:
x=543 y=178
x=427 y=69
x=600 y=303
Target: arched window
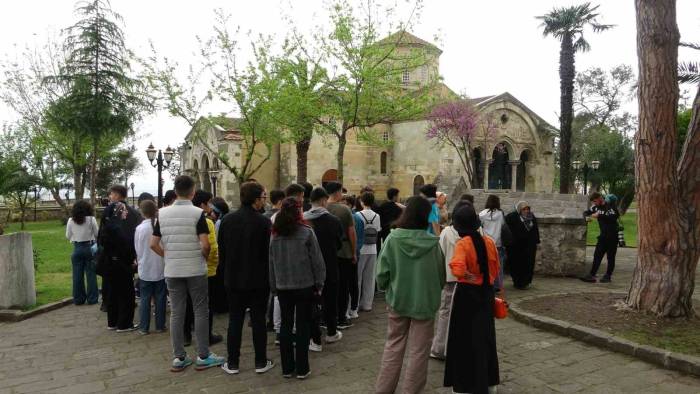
x=499 y=169
x=382 y=163
x=385 y=136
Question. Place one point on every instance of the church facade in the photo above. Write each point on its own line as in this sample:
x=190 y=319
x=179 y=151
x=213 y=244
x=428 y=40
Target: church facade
x=518 y=156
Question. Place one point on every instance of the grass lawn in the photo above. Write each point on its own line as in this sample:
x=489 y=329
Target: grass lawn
x=53 y=275
x=629 y=221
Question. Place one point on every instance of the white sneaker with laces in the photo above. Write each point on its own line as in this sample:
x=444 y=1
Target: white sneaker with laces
x=353 y=314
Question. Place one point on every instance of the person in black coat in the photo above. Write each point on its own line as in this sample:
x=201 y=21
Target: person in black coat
x=244 y=242
x=607 y=215
x=523 y=249
x=329 y=233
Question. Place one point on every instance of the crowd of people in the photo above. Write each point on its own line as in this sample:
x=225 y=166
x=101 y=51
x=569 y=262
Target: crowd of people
x=308 y=262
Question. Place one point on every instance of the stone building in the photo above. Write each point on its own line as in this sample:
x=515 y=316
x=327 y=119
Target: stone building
x=518 y=157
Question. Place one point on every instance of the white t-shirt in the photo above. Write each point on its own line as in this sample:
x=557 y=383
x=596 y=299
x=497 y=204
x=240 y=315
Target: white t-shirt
x=367 y=216
x=82 y=232
x=151 y=267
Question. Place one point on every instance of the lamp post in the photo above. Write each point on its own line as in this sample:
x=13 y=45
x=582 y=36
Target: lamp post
x=585 y=169
x=159 y=161
x=213 y=174
x=133 y=197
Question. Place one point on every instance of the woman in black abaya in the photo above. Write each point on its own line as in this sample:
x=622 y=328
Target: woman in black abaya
x=522 y=251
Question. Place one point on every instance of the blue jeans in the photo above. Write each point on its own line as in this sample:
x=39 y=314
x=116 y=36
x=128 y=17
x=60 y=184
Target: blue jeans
x=498 y=284
x=83 y=268
x=157 y=291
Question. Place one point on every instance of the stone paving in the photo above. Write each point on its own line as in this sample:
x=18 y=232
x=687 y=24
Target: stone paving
x=70 y=351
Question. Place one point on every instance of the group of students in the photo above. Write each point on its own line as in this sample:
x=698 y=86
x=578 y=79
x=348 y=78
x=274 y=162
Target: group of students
x=309 y=263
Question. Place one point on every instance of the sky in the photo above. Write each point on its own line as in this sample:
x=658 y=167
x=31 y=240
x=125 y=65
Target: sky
x=489 y=47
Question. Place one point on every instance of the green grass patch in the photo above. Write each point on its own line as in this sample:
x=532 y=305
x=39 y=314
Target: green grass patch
x=629 y=221
x=52 y=260
x=677 y=336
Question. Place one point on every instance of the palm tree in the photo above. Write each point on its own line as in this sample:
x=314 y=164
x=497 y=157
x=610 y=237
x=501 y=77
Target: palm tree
x=689 y=72
x=567 y=25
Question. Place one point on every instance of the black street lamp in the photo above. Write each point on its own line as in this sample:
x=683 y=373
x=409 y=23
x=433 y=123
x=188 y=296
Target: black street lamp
x=133 y=197
x=585 y=170
x=214 y=174
x=162 y=160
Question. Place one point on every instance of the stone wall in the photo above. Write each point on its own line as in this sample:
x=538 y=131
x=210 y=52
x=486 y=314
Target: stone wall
x=562 y=251
x=16 y=271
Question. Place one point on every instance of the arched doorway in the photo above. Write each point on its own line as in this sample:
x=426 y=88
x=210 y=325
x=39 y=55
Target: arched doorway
x=499 y=169
x=418 y=182
x=478 y=168
x=329 y=176
x=206 y=181
x=522 y=171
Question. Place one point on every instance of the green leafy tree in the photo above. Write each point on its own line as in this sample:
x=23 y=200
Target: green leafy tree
x=106 y=100
x=250 y=88
x=367 y=89
x=567 y=25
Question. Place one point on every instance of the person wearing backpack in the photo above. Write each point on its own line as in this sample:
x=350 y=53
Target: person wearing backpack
x=366 y=266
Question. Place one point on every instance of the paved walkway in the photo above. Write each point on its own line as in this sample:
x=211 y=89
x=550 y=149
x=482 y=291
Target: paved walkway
x=70 y=351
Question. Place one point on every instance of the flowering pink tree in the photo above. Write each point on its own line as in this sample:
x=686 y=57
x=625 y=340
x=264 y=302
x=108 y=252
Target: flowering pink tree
x=457 y=124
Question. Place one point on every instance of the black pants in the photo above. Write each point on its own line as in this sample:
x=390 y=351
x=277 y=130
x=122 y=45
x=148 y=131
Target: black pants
x=329 y=311
x=345 y=284
x=120 y=300
x=295 y=358
x=605 y=246
x=238 y=301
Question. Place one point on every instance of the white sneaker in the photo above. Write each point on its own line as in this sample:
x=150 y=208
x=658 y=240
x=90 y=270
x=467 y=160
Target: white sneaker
x=334 y=338
x=314 y=347
x=230 y=370
x=306 y=375
x=268 y=366
x=353 y=314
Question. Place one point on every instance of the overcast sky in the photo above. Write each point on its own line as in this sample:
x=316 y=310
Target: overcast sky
x=489 y=47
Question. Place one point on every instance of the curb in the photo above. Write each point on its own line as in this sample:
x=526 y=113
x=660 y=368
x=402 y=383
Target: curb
x=11 y=315
x=654 y=355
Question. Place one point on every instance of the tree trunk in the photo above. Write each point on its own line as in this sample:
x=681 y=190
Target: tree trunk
x=93 y=173
x=302 y=158
x=567 y=72
x=78 y=185
x=663 y=280
x=55 y=193
x=340 y=155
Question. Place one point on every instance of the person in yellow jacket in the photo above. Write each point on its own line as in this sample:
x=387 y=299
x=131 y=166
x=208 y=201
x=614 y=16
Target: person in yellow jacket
x=201 y=199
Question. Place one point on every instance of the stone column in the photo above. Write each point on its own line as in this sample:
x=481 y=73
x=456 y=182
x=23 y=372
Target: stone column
x=16 y=271
x=514 y=174
x=487 y=163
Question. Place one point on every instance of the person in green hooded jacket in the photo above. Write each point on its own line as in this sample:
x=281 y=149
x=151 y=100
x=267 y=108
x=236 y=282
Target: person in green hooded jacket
x=411 y=270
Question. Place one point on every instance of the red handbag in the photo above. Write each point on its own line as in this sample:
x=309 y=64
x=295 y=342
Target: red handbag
x=500 y=308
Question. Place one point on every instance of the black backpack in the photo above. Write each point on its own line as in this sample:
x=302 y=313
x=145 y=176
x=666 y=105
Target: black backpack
x=371 y=233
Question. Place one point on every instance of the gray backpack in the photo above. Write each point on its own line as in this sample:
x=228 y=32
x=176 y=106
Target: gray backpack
x=371 y=233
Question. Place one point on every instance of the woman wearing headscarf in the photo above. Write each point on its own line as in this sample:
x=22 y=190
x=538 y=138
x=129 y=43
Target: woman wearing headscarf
x=471 y=364
x=521 y=253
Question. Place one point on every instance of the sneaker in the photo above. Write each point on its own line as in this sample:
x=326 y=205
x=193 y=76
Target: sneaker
x=231 y=370
x=605 y=279
x=287 y=375
x=142 y=332
x=589 y=278
x=334 y=338
x=314 y=347
x=353 y=314
x=268 y=366
x=179 y=364
x=215 y=338
x=132 y=328
x=111 y=328
x=212 y=360
x=344 y=325
x=436 y=356
x=304 y=376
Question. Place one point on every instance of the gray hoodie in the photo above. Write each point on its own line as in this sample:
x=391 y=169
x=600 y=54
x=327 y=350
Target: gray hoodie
x=296 y=261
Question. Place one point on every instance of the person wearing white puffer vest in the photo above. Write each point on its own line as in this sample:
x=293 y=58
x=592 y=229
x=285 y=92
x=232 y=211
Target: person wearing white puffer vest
x=181 y=236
